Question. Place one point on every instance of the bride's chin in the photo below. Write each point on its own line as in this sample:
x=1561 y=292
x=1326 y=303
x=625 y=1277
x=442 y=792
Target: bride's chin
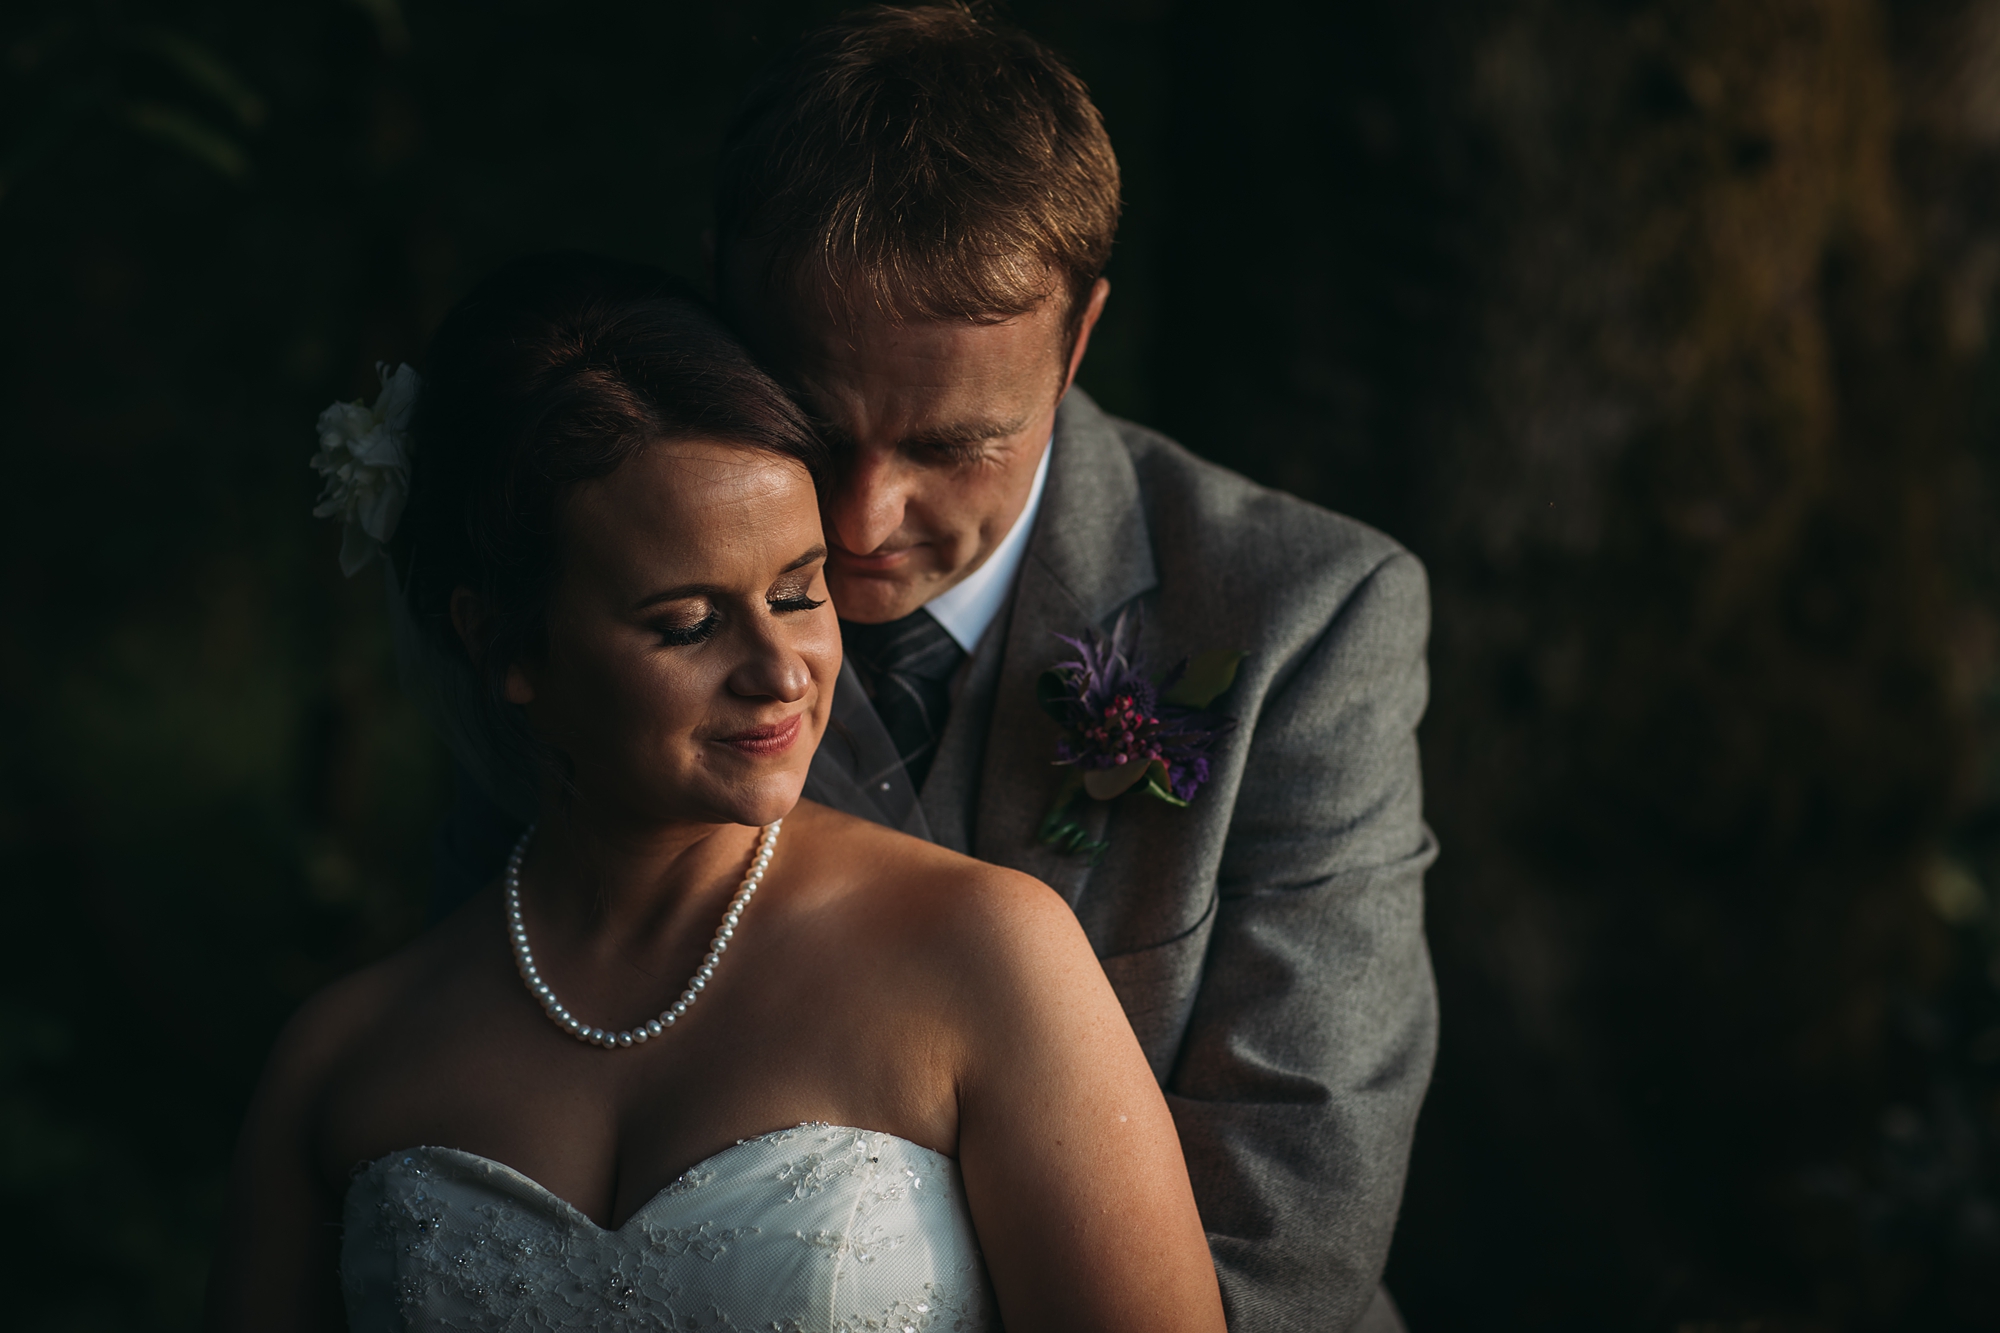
x=760 y=802
x=752 y=800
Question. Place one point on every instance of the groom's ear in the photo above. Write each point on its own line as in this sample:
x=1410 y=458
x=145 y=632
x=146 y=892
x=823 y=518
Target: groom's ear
x=466 y=620
x=1093 y=309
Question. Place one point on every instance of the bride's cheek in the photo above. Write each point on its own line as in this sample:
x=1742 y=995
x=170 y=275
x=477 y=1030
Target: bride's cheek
x=673 y=697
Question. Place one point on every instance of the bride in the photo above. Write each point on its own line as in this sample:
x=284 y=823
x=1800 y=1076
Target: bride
x=708 y=1056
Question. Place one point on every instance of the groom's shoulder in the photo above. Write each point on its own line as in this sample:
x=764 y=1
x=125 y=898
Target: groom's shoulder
x=1263 y=550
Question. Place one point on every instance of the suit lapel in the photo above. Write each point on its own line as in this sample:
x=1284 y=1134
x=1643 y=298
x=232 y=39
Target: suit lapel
x=1089 y=555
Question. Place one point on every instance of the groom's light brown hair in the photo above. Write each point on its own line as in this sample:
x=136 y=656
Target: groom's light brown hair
x=927 y=162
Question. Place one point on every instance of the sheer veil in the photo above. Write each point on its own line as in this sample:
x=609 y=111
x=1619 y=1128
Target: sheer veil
x=493 y=749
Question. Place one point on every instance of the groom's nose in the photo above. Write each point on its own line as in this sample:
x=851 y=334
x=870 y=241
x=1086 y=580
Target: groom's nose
x=868 y=499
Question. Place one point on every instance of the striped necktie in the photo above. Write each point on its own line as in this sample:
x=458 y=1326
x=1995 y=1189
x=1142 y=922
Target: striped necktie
x=906 y=666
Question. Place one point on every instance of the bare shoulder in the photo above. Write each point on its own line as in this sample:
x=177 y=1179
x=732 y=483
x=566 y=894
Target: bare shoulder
x=874 y=860
x=339 y=1018
x=986 y=923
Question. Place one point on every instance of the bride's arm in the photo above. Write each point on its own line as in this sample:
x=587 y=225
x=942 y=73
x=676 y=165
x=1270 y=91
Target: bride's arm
x=277 y=1260
x=1072 y=1167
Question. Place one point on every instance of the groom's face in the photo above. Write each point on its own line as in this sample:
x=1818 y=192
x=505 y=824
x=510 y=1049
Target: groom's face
x=938 y=426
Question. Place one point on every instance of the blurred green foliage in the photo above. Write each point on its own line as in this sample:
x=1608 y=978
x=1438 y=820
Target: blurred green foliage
x=1660 y=330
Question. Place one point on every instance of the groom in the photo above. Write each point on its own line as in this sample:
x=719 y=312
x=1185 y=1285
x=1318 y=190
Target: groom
x=913 y=213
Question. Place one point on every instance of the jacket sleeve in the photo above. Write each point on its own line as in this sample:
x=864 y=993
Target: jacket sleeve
x=1311 y=1039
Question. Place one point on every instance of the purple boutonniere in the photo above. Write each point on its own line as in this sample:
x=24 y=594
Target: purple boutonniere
x=1123 y=728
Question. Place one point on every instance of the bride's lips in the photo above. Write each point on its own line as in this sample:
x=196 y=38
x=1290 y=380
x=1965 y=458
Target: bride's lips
x=764 y=742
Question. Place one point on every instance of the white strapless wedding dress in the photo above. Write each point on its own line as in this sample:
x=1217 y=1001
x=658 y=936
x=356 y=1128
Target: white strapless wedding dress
x=806 y=1230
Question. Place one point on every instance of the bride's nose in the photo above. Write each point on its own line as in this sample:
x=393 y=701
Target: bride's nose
x=771 y=670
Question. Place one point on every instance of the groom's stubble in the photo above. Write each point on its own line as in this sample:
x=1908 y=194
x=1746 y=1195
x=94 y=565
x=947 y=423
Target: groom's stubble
x=938 y=426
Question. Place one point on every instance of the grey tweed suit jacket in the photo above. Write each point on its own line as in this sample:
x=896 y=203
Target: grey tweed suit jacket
x=1267 y=941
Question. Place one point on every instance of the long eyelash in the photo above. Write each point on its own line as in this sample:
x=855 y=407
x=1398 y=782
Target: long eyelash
x=799 y=603
x=687 y=637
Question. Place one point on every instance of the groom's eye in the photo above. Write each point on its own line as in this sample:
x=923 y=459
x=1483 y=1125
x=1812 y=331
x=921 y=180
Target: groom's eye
x=682 y=634
x=948 y=452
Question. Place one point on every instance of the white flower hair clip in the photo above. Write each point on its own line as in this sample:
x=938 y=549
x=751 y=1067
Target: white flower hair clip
x=364 y=454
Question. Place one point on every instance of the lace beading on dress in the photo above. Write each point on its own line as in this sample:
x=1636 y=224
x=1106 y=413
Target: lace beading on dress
x=808 y=1229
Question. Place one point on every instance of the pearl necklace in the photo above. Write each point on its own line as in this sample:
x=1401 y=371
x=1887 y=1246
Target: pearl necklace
x=524 y=958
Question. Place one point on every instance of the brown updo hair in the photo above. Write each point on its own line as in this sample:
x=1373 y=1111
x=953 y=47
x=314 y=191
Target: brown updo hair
x=553 y=372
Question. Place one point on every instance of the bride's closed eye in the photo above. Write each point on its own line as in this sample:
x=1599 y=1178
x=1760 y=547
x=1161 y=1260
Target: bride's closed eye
x=682 y=634
x=794 y=595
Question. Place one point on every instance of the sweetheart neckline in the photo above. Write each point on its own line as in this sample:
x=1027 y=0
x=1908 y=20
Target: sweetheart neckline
x=585 y=1218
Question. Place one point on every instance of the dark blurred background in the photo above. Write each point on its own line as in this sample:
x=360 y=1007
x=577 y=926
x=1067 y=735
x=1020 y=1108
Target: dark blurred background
x=1661 y=331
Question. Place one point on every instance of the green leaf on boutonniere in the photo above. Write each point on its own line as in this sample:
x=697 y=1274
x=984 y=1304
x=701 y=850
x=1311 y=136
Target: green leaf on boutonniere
x=1053 y=695
x=1105 y=783
x=1208 y=675
x=1063 y=833
x=1159 y=783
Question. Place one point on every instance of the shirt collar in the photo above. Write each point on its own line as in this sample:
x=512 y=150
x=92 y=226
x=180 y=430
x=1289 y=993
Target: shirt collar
x=968 y=608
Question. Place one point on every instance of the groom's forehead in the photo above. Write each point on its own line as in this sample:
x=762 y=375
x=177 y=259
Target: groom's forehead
x=790 y=313
x=895 y=377
x=957 y=380
x=818 y=335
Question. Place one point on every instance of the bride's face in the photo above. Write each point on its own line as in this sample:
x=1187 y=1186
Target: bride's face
x=691 y=648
